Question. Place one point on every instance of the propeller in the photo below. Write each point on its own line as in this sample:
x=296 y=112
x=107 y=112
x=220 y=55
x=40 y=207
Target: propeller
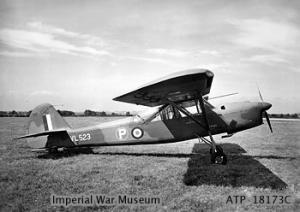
x=265 y=112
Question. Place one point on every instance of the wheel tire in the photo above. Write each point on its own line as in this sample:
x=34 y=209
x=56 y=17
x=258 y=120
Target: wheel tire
x=218 y=157
x=224 y=162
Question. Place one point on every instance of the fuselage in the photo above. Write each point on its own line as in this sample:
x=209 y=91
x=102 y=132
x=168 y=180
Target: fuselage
x=228 y=118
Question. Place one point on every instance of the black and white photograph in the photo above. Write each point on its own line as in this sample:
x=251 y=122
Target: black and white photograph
x=147 y=105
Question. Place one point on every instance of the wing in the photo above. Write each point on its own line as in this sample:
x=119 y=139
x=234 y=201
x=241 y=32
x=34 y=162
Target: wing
x=178 y=87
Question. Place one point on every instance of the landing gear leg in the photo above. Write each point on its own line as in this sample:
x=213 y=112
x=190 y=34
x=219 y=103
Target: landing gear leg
x=217 y=155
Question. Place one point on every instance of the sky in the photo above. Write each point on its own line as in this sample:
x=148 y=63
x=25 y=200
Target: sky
x=79 y=55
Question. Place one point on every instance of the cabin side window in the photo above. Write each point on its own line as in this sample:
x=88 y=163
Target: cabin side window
x=193 y=107
x=169 y=113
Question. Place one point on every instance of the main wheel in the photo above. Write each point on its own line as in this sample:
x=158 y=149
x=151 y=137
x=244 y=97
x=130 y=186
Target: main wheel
x=218 y=157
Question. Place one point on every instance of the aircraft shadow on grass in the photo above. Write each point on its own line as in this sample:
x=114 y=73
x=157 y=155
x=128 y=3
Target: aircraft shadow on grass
x=79 y=151
x=241 y=170
x=67 y=153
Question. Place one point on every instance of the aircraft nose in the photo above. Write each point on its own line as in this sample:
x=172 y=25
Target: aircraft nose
x=266 y=105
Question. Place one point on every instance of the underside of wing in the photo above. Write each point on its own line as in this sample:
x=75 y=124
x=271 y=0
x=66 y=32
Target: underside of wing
x=177 y=87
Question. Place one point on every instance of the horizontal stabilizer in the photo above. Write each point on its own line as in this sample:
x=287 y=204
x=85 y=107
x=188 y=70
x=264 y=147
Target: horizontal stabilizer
x=44 y=150
x=52 y=132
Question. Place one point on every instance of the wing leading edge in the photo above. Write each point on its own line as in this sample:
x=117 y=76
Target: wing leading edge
x=177 y=87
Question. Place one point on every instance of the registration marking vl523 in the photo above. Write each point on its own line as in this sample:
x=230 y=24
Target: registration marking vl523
x=81 y=137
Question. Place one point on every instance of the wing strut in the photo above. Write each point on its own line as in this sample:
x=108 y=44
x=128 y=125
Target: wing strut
x=206 y=123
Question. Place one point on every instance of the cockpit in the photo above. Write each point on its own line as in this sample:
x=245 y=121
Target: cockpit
x=169 y=112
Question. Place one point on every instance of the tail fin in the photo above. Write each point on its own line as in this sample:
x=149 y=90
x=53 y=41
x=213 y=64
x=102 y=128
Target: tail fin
x=45 y=118
x=46 y=128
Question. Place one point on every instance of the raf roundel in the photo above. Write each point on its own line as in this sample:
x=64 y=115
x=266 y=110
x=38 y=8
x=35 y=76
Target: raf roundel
x=137 y=133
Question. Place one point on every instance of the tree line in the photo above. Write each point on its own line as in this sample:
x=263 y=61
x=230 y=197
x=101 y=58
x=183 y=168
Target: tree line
x=14 y=113
x=285 y=116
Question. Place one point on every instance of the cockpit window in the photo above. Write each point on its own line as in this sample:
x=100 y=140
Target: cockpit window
x=169 y=112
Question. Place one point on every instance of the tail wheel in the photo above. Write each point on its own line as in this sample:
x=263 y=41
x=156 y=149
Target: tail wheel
x=218 y=157
x=53 y=150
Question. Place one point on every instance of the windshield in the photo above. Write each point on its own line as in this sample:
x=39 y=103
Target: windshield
x=148 y=115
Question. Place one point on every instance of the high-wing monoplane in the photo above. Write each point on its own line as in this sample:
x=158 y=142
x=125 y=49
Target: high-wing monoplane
x=181 y=111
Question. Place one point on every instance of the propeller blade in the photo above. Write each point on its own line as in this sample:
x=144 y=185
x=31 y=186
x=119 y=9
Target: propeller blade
x=268 y=121
x=265 y=112
x=260 y=96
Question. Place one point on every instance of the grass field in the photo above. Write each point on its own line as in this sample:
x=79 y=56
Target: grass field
x=180 y=173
